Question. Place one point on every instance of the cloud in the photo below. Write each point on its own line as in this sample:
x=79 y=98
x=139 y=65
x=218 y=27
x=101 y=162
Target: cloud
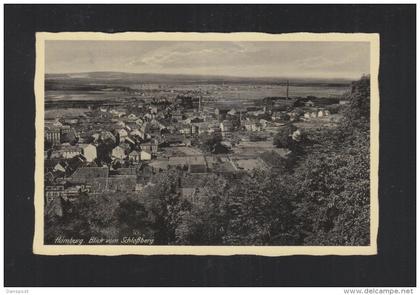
x=219 y=58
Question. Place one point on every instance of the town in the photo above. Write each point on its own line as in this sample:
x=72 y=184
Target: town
x=120 y=147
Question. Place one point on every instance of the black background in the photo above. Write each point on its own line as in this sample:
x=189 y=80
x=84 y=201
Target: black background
x=395 y=264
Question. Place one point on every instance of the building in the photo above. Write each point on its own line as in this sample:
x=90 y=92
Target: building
x=132 y=117
x=174 y=139
x=134 y=156
x=137 y=132
x=118 y=153
x=185 y=129
x=69 y=151
x=139 y=122
x=221 y=113
x=252 y=125
x=280 y=116
x=53 y=135
x=297 y=135
x=309 y=103
x=151 y=147
x=316 y=114
x=122 y=133
x=226 y=126
x=89 y=152
x=107 y=135
x=52 y=192
x=145 y=156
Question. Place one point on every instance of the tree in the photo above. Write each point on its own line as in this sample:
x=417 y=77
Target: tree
x=132 y=218
x=205 y=223
x=164 y=204
x=333 y=197
x=283 y=138
x=208 y=142
x=358 y=112
x=260 y=209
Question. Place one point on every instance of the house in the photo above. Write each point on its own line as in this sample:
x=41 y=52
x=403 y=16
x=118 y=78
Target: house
x=118 y=153
x=107 y=135
x=145 y=156
x=221 y=113
x=232 y=112
x=323 y=113
x=120 y=124
x=52 y=192
x=95 y=136
x=132 y=117
x=309 y=103
x=226 y=126
x=297 y=135
x=156 y=126
x=71 y=121
x=185 y=129
x=153 y=109
x=263 y=123
x=174 y=139
x=68 y=151
x=280 y=116
x=57 y=123
x=199 y=128
x=316 y=113
x=251 y=125
x=53 y=135
x=295 y=114
x=134 y=156
x=122 y=133
x=68 y=134
x=150 y=147
x=137 y=132
x=89 y=152
x=61 y=166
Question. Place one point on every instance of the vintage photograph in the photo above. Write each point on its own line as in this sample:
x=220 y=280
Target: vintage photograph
x=237 y=142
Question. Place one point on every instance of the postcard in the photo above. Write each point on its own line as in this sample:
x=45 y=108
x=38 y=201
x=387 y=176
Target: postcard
x=206 y=143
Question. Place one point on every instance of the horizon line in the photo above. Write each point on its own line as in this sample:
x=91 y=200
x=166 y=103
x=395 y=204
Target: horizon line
x=210 y=75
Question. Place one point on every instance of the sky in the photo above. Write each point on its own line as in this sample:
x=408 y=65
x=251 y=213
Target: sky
x=348 y=60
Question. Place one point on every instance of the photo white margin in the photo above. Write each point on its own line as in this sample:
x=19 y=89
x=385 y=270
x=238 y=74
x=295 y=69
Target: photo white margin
x=38 y=243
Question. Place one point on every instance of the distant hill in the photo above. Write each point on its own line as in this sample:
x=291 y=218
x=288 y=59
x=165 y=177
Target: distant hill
x=135 y=78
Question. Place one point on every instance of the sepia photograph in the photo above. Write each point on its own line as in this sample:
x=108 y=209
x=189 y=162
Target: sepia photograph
x=192 y=143
x=209 y=145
